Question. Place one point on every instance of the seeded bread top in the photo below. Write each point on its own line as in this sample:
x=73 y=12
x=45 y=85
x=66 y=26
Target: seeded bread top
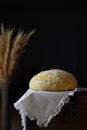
x=53 y=80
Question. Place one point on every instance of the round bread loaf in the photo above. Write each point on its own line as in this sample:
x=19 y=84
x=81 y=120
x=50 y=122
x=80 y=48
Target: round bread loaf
x=53 y=80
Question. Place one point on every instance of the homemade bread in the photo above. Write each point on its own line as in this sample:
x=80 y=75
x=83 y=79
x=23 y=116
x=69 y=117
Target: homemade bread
x=53 y=80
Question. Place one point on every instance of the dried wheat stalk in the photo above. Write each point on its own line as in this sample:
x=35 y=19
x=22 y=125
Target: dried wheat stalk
x=10 y=51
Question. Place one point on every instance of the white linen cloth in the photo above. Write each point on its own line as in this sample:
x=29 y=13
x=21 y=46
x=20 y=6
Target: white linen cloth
x=41 y=105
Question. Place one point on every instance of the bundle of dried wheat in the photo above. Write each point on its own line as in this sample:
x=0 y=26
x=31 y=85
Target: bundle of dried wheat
x=10 y=51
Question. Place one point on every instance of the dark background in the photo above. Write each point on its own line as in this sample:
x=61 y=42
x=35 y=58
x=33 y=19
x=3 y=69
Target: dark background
x=60 y=41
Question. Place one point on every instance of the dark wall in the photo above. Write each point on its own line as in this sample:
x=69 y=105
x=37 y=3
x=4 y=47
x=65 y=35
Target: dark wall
x=60 y=41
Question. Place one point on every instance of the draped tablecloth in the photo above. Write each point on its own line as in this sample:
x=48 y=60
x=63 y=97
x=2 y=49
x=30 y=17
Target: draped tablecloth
x=41 y=106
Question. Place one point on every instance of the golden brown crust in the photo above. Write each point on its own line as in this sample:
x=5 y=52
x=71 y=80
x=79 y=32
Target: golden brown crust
x=53 y=80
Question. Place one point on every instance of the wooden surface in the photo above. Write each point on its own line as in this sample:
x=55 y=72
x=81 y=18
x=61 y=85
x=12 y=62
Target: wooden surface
x=72 y=117
x=69 y=118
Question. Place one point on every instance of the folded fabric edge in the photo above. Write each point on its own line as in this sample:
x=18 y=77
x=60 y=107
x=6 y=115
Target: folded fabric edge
x=24 y=113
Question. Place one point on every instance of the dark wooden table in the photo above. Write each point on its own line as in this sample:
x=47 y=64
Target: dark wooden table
x=73 y=115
